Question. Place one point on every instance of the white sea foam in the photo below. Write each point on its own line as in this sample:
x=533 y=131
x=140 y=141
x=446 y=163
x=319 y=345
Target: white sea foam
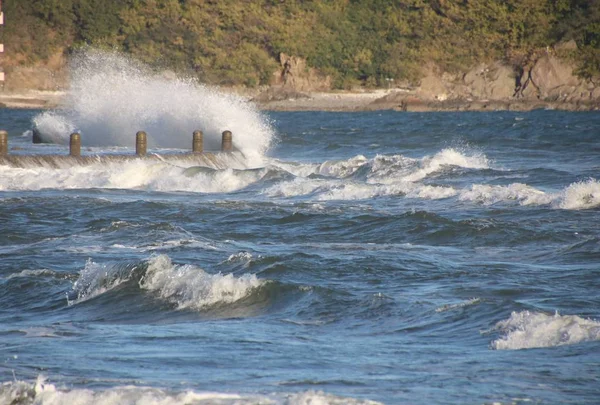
x=342 y=168
x=32 y=273
x=296 y=187
x=521 y=193
x=134 y=174
x=240 y=257
x=446 y=158
x=459 y=305
x=44 y=393
x=525 y=330
x=581 y=195
x=576 y=196
x=112 y=97
x=189 y=286
x=388 y=169
x=334 y=189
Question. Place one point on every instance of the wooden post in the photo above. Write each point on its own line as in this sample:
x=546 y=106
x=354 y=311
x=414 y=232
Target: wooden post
x=75 y=145
x=141 y=143
x=227 y=142
x=197 y=142
x=3 y=143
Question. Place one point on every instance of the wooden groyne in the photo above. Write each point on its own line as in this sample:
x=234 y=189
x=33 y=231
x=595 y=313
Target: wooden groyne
x=197 y=157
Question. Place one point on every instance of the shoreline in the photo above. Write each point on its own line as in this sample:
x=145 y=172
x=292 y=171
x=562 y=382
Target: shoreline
x=375 y=100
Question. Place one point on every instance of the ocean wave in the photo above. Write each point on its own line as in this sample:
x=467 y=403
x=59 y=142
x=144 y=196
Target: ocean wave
x=185 y=286
x=334 y=189
x=526 y=330
x=189 y=286
x=385 y=169
x=135 y=174
x=96 y=279
x=581 y=195
x=576 y=196
x=448 y=157
x=37 y=274
x=522 y=193
x=42 y=392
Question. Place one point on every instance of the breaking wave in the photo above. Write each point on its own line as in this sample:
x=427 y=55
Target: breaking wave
x=522 y=193
x=526 y=330
x=449 y=173
x=581 y=195
x=111 y=97
x=184 y=286
x=188 y=286
x=41 y=392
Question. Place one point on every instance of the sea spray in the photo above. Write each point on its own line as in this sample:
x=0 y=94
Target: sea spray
x=526 y=330
x=112 y=97
x=581 y=195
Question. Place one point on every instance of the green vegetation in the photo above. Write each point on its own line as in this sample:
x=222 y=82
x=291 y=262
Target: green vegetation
x=356 y=42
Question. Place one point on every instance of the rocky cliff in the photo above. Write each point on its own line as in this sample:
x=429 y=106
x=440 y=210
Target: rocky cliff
x=548 y=81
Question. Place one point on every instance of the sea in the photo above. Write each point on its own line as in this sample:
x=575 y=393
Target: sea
x=334 y=258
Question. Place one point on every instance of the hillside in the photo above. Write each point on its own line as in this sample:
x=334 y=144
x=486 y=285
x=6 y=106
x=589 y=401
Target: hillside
x=336 y=44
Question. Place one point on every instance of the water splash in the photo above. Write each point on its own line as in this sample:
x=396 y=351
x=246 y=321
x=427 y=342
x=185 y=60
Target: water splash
x=581 y=195
x=526 y=330
x=112 y=97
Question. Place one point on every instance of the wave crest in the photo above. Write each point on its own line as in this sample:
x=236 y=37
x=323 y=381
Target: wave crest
x=189 y=286
x=526 y=330
x=185 y=286
x=581 y=195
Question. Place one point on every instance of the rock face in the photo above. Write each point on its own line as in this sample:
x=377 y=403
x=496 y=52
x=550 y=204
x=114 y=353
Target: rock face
x=50 y=76
x=550 y=80
x=494 y=82
x=293 y=81
x=38 y=78
x=295 y=75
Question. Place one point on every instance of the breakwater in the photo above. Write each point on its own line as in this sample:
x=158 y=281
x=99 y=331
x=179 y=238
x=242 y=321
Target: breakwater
x=197 y=156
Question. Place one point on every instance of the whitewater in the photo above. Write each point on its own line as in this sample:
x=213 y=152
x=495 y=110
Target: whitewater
x=334 y=258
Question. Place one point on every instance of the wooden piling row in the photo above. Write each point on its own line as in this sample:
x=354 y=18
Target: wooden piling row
x=141 y=143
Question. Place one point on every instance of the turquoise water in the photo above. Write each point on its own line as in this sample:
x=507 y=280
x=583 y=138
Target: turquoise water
x=402 y=258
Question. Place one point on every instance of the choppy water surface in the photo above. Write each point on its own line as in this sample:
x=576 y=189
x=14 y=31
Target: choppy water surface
x=402 y=258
